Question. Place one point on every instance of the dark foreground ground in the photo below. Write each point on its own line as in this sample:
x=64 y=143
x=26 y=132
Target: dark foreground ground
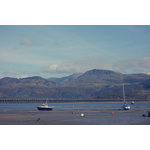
x=103 y=117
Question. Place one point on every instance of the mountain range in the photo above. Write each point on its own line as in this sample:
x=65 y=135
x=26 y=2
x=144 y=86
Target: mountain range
x=93 y=84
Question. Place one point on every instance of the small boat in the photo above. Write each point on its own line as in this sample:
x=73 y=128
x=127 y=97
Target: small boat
x=45 y=107
x=82 y=115
x=125 y=105
x=132 y=102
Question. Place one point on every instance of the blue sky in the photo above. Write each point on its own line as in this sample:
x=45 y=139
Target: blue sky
x=56 y=51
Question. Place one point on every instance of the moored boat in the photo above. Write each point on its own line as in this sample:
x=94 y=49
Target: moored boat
x=125 y=105
x=132 y=102
x=45 y=107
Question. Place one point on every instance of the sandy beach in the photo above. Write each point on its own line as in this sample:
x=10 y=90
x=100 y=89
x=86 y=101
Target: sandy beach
x=103 y=117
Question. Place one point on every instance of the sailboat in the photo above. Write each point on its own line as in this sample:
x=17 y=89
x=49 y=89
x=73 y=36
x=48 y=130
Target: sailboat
x=132 y=102
x=125 y=105
x=45 y=107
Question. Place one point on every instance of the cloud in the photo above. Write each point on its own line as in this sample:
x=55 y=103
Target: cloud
x=134 y=65
x=77 y=66
x=141 y=65
x=8 y=73
x=22 y=76
x=27 y=42
x=16 y=74
x=125 y=66
x=63 y=68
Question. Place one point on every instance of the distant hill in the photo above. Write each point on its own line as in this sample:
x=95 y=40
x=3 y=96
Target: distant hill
x=135 y=78
x=66 y=79
x=26 y=87
x=91 y=76
x=99 y=76
x=146 y=84
x=96 y=84
x=31 y=81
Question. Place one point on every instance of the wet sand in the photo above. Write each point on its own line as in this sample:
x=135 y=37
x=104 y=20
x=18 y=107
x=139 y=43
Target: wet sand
x=102 y=117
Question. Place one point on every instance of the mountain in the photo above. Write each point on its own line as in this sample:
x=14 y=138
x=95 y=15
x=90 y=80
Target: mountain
x=99 y=76
x=91 y=76
x=146 y=84
x=37 y=81
x=136 y=78
x=93 y=84
x=25 y=87
x=66 y=79
x=31 y=81
x=103 y=77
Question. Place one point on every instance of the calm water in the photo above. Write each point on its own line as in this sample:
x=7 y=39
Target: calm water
x=76 y=106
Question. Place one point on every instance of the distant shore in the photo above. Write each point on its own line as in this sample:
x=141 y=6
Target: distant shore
x=34 y=101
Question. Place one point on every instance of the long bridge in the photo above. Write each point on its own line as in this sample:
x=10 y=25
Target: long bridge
x=59 y=100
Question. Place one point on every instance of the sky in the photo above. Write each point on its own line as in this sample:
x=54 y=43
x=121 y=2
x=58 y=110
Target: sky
x=57 y=51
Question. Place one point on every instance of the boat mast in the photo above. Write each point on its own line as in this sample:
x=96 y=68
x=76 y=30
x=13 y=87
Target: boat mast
x=124 y=99
x=46 y=100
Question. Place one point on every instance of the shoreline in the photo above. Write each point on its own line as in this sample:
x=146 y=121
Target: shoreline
x=72 y=117
x=107 y=113
x=136 y=101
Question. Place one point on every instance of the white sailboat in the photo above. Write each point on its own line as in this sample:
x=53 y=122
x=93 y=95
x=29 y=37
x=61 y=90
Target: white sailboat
x=45 y=107
x=132 y=102
x=125 y=105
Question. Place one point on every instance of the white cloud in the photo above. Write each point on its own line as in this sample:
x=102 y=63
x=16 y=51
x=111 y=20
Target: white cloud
x=53 y=67
x=125 y=66
x=77 y=66
x=134 y=65
x=81 y=65
x=18 y=74
x=8 y=73
x=22 y=76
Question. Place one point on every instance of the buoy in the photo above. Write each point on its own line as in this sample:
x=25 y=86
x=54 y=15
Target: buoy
x=82 y=115
x=112 y=112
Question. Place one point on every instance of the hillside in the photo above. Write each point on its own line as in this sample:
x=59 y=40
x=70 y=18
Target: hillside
x=66 y=79
x=96 y=84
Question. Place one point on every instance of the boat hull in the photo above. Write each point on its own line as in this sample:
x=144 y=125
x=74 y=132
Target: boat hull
x=45 y=109
x=132 y=102
x=126 y=107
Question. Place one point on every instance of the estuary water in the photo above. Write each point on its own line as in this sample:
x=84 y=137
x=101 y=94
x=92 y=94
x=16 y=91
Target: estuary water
x=70 y=113
x=88 y=106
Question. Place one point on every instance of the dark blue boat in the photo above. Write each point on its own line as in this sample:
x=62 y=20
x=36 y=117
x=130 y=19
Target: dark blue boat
x=45 y=107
